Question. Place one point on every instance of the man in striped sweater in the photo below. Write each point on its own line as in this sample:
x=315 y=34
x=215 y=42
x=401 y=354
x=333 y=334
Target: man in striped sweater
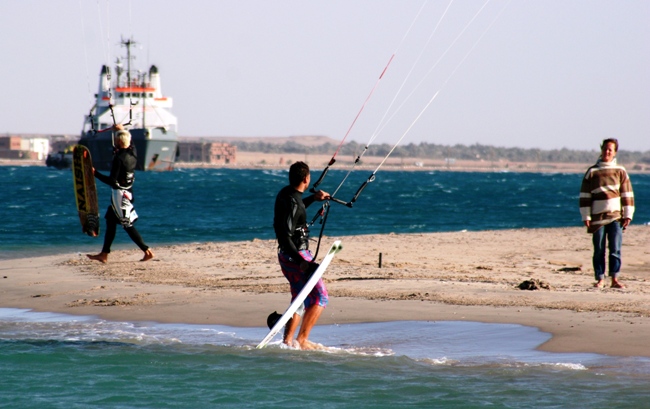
x=607 y=207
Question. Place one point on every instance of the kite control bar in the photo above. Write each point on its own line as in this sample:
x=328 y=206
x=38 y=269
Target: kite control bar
x=356 y=195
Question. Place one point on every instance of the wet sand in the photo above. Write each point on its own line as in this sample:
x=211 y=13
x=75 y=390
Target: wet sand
x=469 y=276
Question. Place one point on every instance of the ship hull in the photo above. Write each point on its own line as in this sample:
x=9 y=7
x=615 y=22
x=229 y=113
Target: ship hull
x=155 y=148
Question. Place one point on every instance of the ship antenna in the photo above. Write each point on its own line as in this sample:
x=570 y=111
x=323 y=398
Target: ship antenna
x=128 y=43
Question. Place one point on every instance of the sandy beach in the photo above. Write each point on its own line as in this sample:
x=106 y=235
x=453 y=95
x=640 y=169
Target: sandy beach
x=259 y=160
x=281 y=161
x=471 y=276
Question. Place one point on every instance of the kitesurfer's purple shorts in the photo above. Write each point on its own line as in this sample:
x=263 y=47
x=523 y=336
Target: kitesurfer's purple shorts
x=298 y=279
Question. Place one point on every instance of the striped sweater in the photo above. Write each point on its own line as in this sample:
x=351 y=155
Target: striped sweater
x=606 y=195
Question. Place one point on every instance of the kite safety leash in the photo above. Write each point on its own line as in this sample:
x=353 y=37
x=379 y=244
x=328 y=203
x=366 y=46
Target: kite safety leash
x=322 y=214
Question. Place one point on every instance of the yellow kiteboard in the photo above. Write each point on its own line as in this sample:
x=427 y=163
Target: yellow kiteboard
x=85 y=190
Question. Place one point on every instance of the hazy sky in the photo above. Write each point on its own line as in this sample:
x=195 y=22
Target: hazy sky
x=534 y=74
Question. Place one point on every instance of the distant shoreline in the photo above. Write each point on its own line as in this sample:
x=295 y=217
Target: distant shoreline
x=274 y=161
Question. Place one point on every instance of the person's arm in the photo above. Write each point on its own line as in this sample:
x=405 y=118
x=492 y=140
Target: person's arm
x=102 y=178
x=285 y=209
x=627 y=199
x=319 y=196
x=110 y=180
x=308 y=200
x=585 y=199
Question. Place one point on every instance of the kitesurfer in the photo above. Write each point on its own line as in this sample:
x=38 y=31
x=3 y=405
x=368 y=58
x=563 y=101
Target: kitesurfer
x=121 y=209
x=292 y=233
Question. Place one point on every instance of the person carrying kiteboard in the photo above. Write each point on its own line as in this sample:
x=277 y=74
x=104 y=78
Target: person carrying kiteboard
x=292 y=233
x=121 y=209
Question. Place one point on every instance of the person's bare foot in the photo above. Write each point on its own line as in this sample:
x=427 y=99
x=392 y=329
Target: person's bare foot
x=292 y=344
x=617 y=284
x=148 y=255
x=310 y=346
x=101 y=257
x=600 y=284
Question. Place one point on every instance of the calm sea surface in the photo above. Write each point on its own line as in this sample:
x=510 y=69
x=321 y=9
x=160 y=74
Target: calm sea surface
x=58 y=361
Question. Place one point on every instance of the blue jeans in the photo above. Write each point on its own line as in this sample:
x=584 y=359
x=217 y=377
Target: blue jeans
x=612 y=233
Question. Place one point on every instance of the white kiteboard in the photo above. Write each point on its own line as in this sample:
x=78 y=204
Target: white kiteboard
x=302 y=295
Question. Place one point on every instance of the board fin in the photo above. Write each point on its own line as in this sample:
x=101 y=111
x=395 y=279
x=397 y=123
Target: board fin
x=272 y=319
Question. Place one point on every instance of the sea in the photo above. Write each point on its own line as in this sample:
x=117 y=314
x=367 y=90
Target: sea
x=51 y=360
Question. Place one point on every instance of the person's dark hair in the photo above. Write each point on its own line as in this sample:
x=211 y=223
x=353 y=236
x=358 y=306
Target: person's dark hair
x=297 y=173
x=610 y=140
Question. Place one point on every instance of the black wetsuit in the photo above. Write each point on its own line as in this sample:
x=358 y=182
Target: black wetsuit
x=290 y=222
x=122 y=177
x=122 y=170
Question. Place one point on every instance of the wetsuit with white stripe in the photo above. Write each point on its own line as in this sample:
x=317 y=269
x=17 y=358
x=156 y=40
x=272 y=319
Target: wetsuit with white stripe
x=121 y=210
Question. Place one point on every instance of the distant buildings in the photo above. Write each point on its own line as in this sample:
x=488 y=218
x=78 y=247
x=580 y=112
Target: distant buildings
x=37 y=147
x=214 y=153
x=24 y=147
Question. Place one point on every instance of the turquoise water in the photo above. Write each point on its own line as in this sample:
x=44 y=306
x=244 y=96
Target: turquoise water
x=198 y=205
x=58 y=361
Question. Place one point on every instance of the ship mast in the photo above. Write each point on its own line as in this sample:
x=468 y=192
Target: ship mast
x=128 y=43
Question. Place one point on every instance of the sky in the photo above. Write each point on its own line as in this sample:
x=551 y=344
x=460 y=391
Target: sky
x=546 y=74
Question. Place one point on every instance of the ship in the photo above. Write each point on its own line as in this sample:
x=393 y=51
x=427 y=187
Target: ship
x=60 y=160
x=135 y=100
